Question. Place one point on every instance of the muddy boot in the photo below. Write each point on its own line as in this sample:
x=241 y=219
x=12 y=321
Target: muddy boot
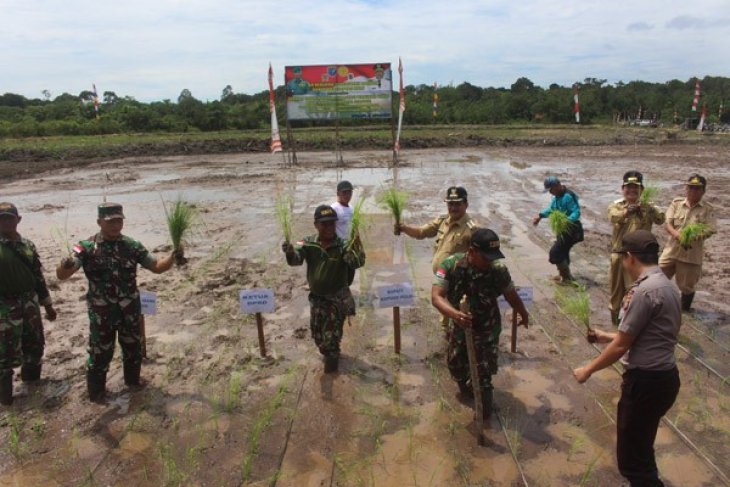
x=6 y=388
x=30 y=373
x=487 y=403
x=96 y=385
x=465 y=389
x=565 y=276
x=131 y=375
x=331 y=364
x=687 y=301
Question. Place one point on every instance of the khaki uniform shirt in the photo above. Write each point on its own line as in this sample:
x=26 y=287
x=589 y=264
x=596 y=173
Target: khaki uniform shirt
x=451 y=236
x=680 y=214
x=623 y=223
x=651 y=313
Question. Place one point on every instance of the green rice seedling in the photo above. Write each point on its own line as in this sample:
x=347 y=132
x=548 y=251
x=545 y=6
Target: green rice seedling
x=648 y=194
x=559 y=223
x=283 y=216
x=357 y=222
x=693 y=232
x=180 y=220
x=577 y=304
x=395 y=201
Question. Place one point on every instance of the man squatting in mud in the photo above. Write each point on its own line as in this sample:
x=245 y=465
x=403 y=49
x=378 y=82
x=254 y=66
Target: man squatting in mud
x=110 y=260
x=22 y=291
x=330 y=262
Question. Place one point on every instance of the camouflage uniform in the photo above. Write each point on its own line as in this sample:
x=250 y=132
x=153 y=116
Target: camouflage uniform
x=482 y=289
x=112 y=298
x=22 y=288
x=330 y=298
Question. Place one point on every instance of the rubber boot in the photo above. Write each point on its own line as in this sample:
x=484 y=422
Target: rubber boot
x=565 y=276
x=331 y=364
x=96 y=385
x=6 y=388
x=687 y=301
x=30 y=372
x=465 y=389
x=487 y=402
x=131 y=374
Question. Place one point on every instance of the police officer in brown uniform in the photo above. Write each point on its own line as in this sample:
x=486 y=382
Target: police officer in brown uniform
x=685 y=264
x=452 y=231
x=626 y=215
x=645 y=343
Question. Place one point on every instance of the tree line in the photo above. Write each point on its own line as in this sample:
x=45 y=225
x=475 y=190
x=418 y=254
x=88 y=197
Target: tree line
x=522 y=102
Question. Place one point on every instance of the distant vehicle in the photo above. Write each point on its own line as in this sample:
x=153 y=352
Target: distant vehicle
x=645 y=122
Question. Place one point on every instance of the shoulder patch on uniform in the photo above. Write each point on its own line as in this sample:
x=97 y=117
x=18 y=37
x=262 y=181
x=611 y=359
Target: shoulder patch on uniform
x=618 y=201
x=627 y=298
x=678 y=198
x=441 y=273
x=471 y=224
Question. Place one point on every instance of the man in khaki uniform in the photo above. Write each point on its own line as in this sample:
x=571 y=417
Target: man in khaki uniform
x=627 y=215
x=685 y=264
x=452 y=231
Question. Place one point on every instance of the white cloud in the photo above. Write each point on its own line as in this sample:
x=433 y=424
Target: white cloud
x=152 y=50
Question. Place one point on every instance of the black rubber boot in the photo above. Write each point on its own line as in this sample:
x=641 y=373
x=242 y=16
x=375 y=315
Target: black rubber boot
x=687 y=301
x=331 y=364
x=6 y=388
x=131 y=374
x=565 y=275
x=487 y=403
x=465 y=389
x=30 y=373
x=96 y=385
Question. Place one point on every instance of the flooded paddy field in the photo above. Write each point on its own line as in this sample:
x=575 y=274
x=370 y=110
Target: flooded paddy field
x=214 y=413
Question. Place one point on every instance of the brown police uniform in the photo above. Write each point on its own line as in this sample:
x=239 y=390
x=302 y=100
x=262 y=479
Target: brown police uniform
x=452 y=236
x=685 y=265
x=623 y=223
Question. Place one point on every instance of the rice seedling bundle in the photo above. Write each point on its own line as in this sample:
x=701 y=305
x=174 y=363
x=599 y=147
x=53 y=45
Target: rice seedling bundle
x=395 y=201
x=577 y=304
x=559 y=223
x=283 y=216
x=180 y=219
x=693 y=232
x=357 y=222
x=648 y=194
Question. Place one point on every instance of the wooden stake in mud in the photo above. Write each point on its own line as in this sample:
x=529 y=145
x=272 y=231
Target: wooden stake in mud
x=474 y=373
x=260 y=327
x=514 y=332
x=396 y=328
x=143 y=334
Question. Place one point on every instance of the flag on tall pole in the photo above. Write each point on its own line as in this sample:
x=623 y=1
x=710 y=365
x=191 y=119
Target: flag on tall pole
x=435 y=100
x=401 y=106
x=703 y=115
x=721 y=110
x=96 y=100
x=576 y=101
x=275 y=139
x=696 y=100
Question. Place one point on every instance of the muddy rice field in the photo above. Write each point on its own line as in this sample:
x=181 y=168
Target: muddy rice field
x=215 y=413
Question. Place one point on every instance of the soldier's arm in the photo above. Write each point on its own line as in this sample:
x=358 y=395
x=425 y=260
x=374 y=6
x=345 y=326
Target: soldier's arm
x=295 y=254
x=41 y=289
x=69 y=265
x=518 y=306
x=355 y=256
x=158 y=266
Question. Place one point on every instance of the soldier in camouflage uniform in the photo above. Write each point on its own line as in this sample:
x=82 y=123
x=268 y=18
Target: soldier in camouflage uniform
x=330 y=260
x=481 y=276
x=22 y=290
x=110 y=260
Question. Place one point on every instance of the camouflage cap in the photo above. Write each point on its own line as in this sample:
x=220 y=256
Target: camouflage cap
x=8 y=209
x=324 y=213
x=110 y=211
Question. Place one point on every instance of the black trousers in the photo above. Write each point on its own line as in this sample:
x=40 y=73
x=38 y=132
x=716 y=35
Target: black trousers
x=560 y=251
x=645 y=397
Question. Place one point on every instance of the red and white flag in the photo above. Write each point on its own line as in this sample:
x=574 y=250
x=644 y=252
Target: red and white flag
x=576 y=101
x=696 y=100
x=275 y=139
x=701 y=125
x=435 y=100
x=96 y=100
x=401 y=107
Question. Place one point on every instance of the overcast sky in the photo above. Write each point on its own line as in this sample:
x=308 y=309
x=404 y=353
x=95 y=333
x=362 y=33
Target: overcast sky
x=153 y=49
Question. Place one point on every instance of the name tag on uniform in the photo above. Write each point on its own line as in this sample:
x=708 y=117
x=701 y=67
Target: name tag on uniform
x=149 y=302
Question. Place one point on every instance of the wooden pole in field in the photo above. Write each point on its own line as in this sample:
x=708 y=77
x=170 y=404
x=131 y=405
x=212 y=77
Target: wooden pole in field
x=260 y=327
x=514 y=332
x=474 y=373
x=396 y=328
